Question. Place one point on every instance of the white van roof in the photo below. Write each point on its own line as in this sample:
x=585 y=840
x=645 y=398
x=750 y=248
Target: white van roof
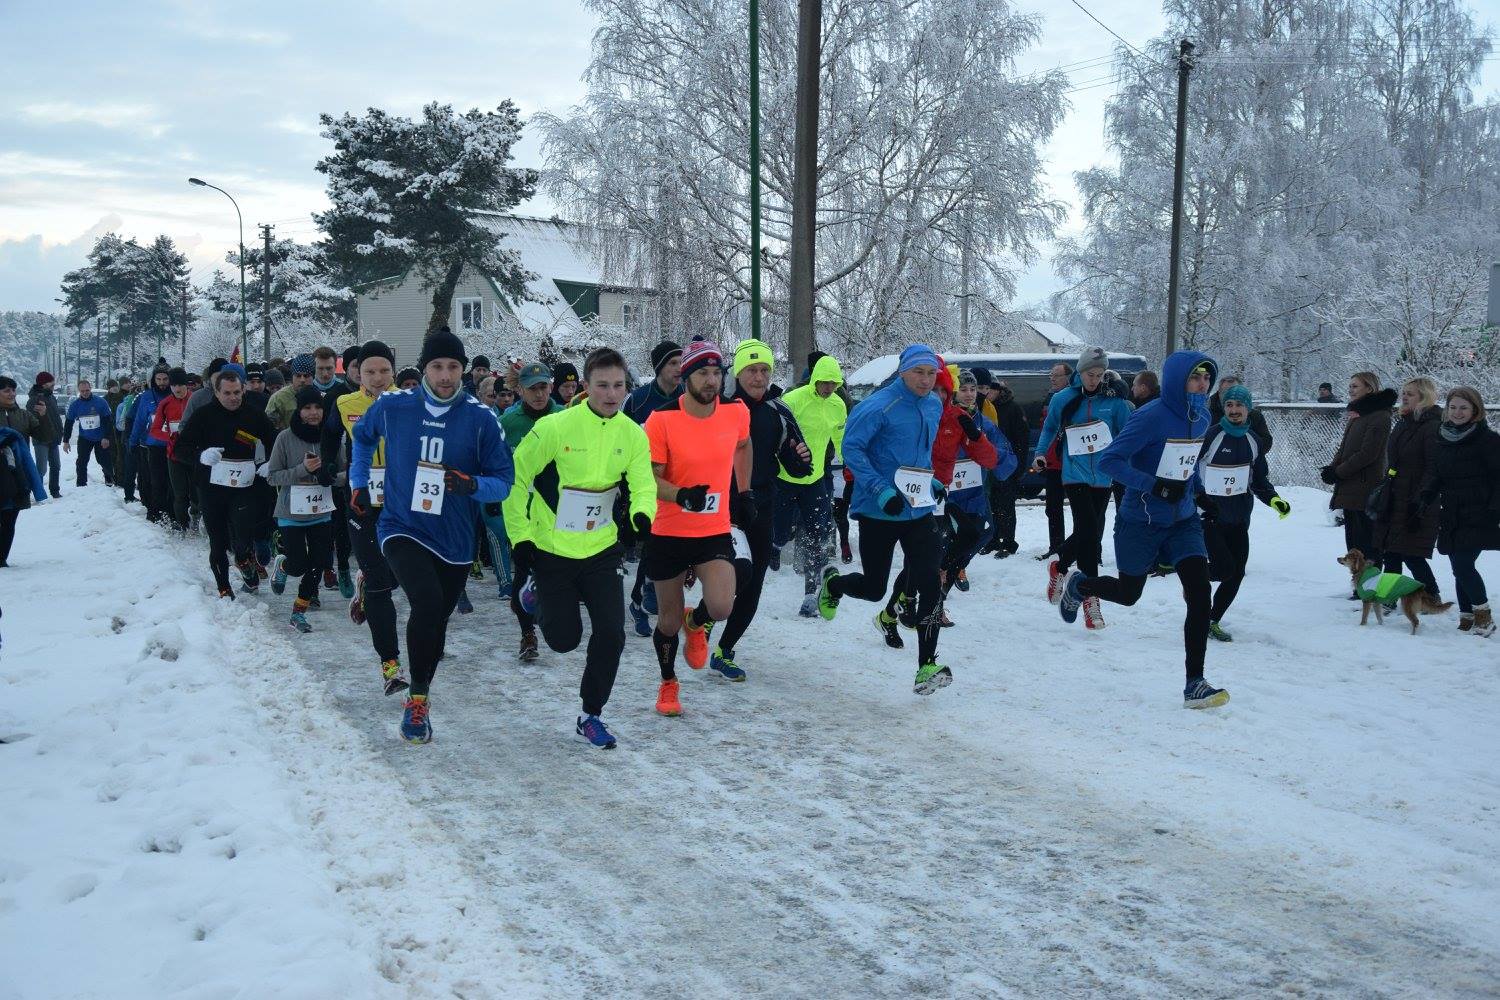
x=877 y=370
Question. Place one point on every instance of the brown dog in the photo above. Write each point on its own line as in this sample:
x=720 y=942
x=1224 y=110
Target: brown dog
x=1418 y=600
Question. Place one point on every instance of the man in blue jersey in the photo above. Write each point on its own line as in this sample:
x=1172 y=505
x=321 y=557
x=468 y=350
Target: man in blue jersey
x=444 y=456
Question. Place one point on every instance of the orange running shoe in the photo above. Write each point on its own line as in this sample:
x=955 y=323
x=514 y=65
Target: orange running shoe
x=666 y=699
x=695 y=650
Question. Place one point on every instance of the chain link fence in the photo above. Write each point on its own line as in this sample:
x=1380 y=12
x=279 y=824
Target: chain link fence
x=1306 y=436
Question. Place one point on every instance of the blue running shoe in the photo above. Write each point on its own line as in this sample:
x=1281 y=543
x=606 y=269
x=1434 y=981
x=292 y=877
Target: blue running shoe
x=346 y=583
x=414 y=725
x=648 y=597
x=1200 y=694
x=278 y=576
x=641 y=619
x=725 y=666
x=592 y=728
x=300 y=623
x=1067 y=605
x=528 y=597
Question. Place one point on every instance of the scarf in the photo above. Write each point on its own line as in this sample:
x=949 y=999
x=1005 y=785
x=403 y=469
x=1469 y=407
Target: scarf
x=1233 y=429
x=1452 y=433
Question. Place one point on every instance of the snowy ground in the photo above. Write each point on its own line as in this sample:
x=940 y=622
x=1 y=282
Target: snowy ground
x=202 y=803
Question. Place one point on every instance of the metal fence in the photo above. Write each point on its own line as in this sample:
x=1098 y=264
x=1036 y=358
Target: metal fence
x=1306 y=436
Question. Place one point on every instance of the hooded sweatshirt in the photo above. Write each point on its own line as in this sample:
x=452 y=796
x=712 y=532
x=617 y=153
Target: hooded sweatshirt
x=821 y=419
x=892 y=427
x=1072 y=407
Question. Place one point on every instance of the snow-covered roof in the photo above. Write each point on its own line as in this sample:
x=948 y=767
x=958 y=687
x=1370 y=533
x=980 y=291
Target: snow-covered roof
x=1055 y=333
x=877 y=370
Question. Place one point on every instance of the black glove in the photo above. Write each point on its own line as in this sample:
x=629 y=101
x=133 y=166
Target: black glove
x=742 y=510
x=1208 y=505
x=971 y=429
x=641 y=523
x=459 y=483
x=692 y=498
x=521 y=556
x=492 y=510
x=1170 y=490
x=324 y=475
x=359 y=502
x=890 y=502
x=1329 y=476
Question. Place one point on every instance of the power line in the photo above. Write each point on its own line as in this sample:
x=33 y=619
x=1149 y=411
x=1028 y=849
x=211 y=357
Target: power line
x=1108 y=29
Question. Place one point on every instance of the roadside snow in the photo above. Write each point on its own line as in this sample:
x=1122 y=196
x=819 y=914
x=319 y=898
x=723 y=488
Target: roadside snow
x=1052 y=824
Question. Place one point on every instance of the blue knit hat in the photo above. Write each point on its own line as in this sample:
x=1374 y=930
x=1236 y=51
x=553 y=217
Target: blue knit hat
x=1240 y=394
x=302 y=364
x=917 y=354
x=238 y=369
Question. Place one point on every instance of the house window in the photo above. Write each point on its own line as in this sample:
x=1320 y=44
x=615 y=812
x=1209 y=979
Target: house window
x=630 y=315
x=470 y=314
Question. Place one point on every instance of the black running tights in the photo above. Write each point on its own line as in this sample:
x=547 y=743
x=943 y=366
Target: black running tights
x=1193 y=574
x=432 y=587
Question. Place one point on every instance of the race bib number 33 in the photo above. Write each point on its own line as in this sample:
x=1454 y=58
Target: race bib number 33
x=427 y=489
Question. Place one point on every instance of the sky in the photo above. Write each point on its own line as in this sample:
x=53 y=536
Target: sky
x=105 y=113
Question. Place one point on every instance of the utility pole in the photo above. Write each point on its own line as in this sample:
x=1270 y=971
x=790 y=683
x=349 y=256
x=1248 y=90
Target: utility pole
x=184 y=324
x=801 y=307
x=265 y=291
x=755 y=169
x=1184 y=66
x=98 y=358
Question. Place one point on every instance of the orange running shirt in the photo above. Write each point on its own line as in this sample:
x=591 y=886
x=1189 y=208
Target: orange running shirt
x=696 y=451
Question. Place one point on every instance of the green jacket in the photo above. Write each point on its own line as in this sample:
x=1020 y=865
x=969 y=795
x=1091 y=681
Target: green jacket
x=517 y=421
x=576 y=448
x=1376 y=585
x=820 y=418
x=281 y=406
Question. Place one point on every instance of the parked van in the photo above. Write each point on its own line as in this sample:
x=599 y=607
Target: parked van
x=1026 y=374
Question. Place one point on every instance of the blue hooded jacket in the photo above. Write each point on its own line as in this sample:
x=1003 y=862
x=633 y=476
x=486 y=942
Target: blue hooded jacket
x=1132 y=458
x=11 y=440
x=140 y=421
x=891 y=427
x=1114 y=411
x=976 y=499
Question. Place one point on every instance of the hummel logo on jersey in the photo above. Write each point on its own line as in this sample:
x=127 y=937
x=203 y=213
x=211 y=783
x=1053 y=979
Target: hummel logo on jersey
x=435 y=423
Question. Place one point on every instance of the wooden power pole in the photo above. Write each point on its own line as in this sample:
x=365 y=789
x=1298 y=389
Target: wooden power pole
x=801 y=338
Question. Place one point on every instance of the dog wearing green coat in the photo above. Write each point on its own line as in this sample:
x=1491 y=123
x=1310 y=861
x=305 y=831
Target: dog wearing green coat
x=1376 y=588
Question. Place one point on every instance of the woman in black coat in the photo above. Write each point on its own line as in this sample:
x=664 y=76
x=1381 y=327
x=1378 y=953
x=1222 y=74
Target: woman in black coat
x=1466 y=481
x=1404 y=530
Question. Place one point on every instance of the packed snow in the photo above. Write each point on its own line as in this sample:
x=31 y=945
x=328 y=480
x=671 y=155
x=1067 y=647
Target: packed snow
x=202 y=803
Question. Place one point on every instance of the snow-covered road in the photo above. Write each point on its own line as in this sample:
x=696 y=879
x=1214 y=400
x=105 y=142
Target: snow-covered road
x=1053 y=824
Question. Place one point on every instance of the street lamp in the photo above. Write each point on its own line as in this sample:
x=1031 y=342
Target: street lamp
x=244 y=342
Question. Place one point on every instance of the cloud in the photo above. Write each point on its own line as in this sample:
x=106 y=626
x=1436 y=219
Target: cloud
x=31 y=269
x=137 y=117
x=298 y=126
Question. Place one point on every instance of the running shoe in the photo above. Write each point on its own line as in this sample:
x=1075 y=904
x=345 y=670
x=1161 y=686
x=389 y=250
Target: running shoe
x=1093 y=618
x=528 y=596
x=465 y=606
x=415 y=728
x=476 y=570
x=346 y=583
x=906 y=612
x=592 y=729
x=1201 y=694
x=1216 y=631
x=648 y=597
x=226 y=592
x=962 y=583
x=529 y=650
x=278 y=575
x=725 y=666
x=931 y=676
x=315 y=603
x=775 y=561
x=888 y=630
x=845 y=553
x=828 y=604
x=943 y=620
x=357 y=602
x=260 y=570
x=809 y=607
x=393 y=677
x=1055 y=577
x=330 y=580
x=695 y=649
x=666 y=699
x=1067 y=605
x=641 y=619
x=300 y=623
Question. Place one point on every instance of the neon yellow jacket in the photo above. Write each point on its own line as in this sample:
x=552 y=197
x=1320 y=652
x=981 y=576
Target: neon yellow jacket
x=821 y=418
x=577 y=449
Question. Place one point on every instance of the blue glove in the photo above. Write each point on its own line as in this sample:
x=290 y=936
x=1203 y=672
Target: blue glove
x=890 y=501
x=939 y=491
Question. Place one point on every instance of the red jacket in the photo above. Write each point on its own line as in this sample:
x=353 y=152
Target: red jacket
x=950 y=438
x=167 y=421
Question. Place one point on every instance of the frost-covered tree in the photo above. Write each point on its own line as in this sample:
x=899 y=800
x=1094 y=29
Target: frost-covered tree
x=308 y=301
x=929 y=156
x=404 y=191
x=136 y=291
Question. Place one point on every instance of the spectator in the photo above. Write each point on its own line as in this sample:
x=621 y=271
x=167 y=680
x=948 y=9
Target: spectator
x=1466 y=481
x=19 y=482
x=1404 y=530
x=46 y=441
x=1359 y=463
x=22 y=421
x=1325 y=393
x=1145 y=388
x=1060 y=378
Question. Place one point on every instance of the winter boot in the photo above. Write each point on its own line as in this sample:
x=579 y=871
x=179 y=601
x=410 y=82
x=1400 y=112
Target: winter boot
x=1484 y=622
x=529 y=649
x=1466 y=621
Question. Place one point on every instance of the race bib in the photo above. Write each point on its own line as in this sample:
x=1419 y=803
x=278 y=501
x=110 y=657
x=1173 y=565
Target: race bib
x=173 y=426
x=1179 y=457
x=741 y=544
x=710 y=505
x=236 y=475
x=585 y=510
x=376 y=486
x=1226 y=480
x=305 y=501
x=966 y=475
x=1089 y=438
x=427 y=489
x=89 y=423
x=916 y=486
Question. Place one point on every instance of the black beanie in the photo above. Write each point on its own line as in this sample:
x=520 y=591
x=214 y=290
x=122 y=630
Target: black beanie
x=351 y=355
x=480 y=361
x=177 y=376
x=662 y=353
x=407 y=373
x=443 y=344
x=564 y=372
x=307 y=395
x=6 y=382
x=376 y=349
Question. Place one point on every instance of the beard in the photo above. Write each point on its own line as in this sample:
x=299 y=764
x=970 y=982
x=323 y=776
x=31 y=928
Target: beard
x=704 y=397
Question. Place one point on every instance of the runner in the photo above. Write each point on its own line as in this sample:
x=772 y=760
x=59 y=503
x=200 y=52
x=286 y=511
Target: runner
x=699 y=445
x=374 y=586
x=444 y=454
x=804 y=501
x=774 y=439
x=1156 y=457
x=1232 y=470
x=94 y=418
x=888 y=445
x=535 y=403
x=565 y=382
x=666 y=361
x=166 y=423
x=304 y=503
x=1082 y=419
x=155 y=494
x=229 y=441
x=282 y=402
x=1011 y=419
x=1060 y=377
x=408 y=378
x=338 y=575
x=560 y=520
x=46 y=440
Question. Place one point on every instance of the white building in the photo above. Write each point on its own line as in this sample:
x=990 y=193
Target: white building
x=1040 y=337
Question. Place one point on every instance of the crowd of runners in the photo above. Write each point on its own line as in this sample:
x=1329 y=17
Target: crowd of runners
x=668 y=503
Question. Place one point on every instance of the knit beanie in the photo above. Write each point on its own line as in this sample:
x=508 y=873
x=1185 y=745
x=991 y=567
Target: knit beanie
x=663 y=353
x=1092 y=357
x=480 y=361
x=376 y=349
x=302 y=364
x=238 y=369
x=700 y=353
x=1240 y=393
x=44 y=378
x=6 y=382
x=443 y=344
x=177 y=376
x=350 y=356
x=752 y=352
x=307 y=396
x=916 y=355
x=274 y=378
x=564 y=371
